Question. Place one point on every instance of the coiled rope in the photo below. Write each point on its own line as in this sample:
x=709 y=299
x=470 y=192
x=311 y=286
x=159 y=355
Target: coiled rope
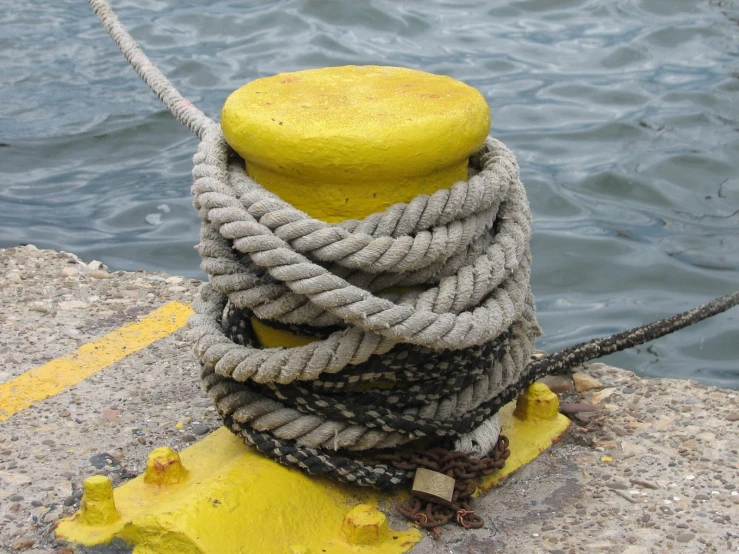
x=454 y=353
x=477 y=323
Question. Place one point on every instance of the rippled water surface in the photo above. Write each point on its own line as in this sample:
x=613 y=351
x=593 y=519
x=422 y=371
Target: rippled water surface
x=623 y=115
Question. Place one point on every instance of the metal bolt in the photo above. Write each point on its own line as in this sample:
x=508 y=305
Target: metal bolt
x=364 y=525
x=537 y=403
x=164 y=467
x=98 y=506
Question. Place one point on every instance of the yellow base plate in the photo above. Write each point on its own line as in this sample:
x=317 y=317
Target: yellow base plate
x=222 y=497
x=534 y=428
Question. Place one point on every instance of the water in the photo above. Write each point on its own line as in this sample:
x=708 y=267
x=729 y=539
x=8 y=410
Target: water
x=623 y=115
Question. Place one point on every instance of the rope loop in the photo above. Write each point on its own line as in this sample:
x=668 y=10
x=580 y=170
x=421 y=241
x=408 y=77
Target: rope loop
x=462 y=332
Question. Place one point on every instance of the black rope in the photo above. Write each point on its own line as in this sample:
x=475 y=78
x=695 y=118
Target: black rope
x=597 y=348
x=346 y=468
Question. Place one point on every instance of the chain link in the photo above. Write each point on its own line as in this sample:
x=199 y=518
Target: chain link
x=466 y=473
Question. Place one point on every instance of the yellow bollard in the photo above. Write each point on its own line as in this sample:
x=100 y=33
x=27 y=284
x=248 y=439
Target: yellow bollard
x=338 y=143
x=345 y=142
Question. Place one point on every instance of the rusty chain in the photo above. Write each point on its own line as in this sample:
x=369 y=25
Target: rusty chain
x=466 y=473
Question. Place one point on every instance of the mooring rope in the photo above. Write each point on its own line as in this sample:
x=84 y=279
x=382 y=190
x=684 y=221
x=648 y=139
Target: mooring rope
x=476 y=323
x=454 y=353
x=181 y=108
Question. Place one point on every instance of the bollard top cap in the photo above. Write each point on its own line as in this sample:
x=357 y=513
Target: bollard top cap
x=360 y=120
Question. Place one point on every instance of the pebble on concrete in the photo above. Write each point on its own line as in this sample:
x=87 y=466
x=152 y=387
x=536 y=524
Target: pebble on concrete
x=585 y=382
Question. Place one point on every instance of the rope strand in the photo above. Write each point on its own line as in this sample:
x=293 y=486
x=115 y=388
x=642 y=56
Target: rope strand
x=597 y=348
x=179 y=106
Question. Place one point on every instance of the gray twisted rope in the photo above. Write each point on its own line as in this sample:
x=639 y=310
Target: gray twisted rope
x=430 y=320
x=457 y=351
x=178 y=105
x=274 y=273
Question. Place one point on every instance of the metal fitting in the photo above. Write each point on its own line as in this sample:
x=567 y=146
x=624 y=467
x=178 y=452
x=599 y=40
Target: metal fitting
x=97 y=506
x=364 y=525
x=538 y=403
x=164 y=467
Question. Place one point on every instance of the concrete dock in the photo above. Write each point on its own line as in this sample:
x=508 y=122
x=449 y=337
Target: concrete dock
x=652 y=467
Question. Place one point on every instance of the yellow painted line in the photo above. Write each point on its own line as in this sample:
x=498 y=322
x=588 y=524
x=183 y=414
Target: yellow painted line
x=60 y=374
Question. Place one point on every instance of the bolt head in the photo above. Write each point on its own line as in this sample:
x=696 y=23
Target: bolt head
x=164 y=467
x=364 y=525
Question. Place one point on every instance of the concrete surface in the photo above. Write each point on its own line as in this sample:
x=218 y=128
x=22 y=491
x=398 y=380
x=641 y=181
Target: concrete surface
x=655 y=469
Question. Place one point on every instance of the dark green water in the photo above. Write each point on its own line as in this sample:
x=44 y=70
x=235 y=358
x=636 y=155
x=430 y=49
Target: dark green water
x=623 y=115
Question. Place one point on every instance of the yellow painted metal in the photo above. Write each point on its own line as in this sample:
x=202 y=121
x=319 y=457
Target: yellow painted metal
x=270 y=337
x=365 y=525
x=532 y=424
x=338 y=143
x=97 y=507
x=164 y=467
x=231 y=500
x=538 y=404
x=58 y=375
x=345 y=142
x=219 y=496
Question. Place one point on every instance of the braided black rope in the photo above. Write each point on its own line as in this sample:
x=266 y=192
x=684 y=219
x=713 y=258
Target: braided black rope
x=419 y=375
x=316 y=462
x=345 y=467
x=387 y=409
